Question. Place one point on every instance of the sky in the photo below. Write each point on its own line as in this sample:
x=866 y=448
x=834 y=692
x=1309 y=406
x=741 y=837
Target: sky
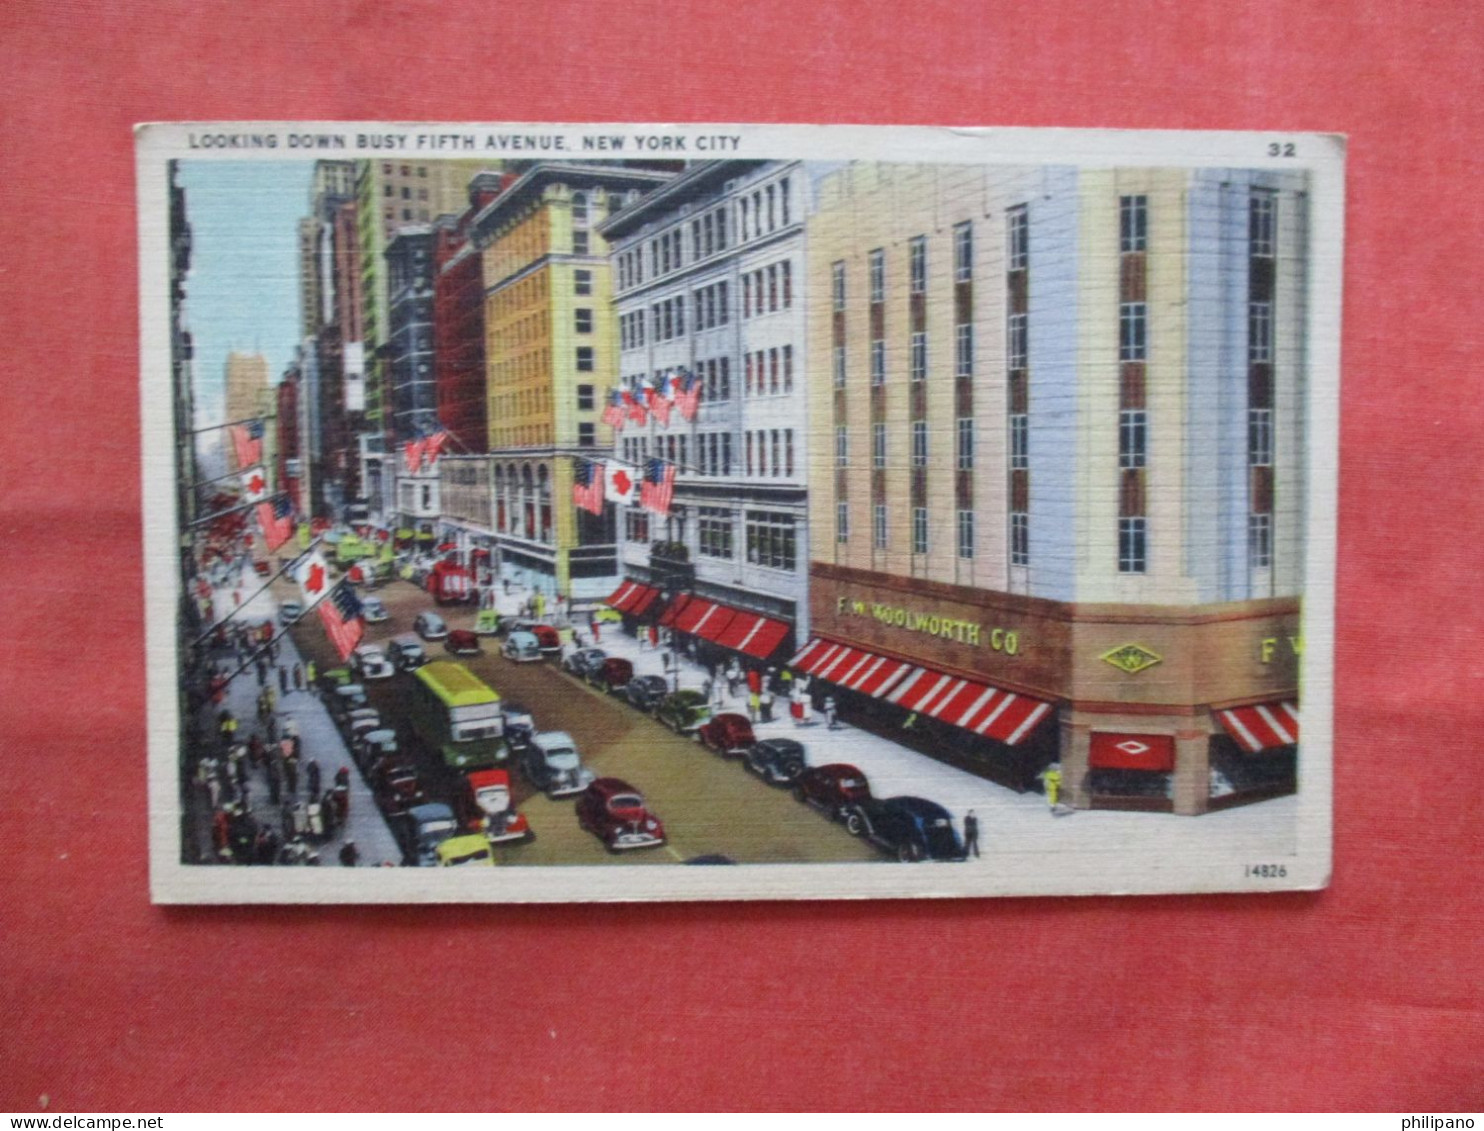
x=243 y=289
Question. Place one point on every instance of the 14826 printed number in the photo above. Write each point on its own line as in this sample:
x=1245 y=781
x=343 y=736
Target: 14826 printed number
x=1265 y=871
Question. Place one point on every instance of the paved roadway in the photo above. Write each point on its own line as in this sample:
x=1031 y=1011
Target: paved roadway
x=708 y=804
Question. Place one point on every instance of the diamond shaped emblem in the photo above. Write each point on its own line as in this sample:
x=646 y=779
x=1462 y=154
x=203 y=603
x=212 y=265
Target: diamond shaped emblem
x=1131 y=658
x=1133 y=747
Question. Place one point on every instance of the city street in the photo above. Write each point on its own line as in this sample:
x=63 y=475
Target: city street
x=709 y=805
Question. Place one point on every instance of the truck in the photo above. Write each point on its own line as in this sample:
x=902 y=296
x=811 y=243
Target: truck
x=351 y=548
x=483 y=804
x=457 y=716
x=450 y=583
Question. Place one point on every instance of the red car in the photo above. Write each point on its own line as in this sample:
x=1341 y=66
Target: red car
x=549 y=640
x=728 y=734
x=462 y=642
x=613 y=675
x=837 y=789
x=614 y=812
x=396 y=787
x=483 y=804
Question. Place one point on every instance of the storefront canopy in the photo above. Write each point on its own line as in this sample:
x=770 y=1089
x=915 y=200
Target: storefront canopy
x=633 y=598
x=704 y=618
x=673 y=611
x=1263 y=726
x=752 y=634
x=1109 y=751
x=852 y=668
x=641 y=603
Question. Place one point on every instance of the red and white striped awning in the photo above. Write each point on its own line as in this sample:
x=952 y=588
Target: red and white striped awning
x=753 y=634
x=1005 y=716
x=1263 y=726
x=852 y=668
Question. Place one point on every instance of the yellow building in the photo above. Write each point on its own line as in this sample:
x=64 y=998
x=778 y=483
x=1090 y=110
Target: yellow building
x=551 y=354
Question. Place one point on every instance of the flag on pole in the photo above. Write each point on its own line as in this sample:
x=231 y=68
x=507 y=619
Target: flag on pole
x=313 y=576
x=587 y=486
x=254 y=485
x=620 y=484
x=341 y=616
x=433 y=446
x=660 y=403
x=412 y=452
x=658 y=487
x=247 y=442
x=277 y=521
x=613 y=414
x=637 y=412
x=689 y=395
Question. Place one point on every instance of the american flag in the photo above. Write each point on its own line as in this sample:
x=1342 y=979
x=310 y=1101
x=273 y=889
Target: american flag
x=413 y=454
x=660 y=402
x=247 y=442
x=433 y=446
x=587 y=486
x=277 y=520
x=658 y=487
x=613 y=411
x=341 y=615
x=637 y=412
x=688 y=396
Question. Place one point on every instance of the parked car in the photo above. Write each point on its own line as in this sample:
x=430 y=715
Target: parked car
x=423 y=828
x=612 y=675
x=683 y=711
x=551 y=763
x=407 y=653
x=374 y=610
x=369 y=661
x=727 y=733
x=373 y=745
x=487 y=623
x=837 y=788
x=912 y=828
x=520 y=724
x=396 y=788
x=581 y=662
x=778 y=761
x=645 y=692
x=430 y=626
x=471 y=848
x=346 y=698
x=361 y=721
x=462 y=642
x=548 y=639
x=290 y=611
x=614 y=812
x=521 y=647
x=262 y=568
x=484 y=805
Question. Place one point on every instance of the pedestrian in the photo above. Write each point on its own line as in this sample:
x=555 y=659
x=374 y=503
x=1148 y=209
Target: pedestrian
x=754 y=680
x=290 y=771
x=311 y=778
x=654 y=637
x=238 y=760
x=597 y=628
x=338 y=799
x=706 y=686
x=283 y=680
x=754 y=706
x=298 y=677
x=227 y=723
x=311 y=675
x=262 y=669
x=971 y=835
x=831 y=717
x=765 y=704
x=796 y=707
x=255 y=750
x=270 y=699
x=342 y=776
x=734 y=677
x=329 y=813
x=1051 y=782
x=221 y=834
x=275 y=782
x=350 y=856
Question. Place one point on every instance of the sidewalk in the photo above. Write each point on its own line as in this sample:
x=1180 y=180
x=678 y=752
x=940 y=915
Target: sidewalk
x=320 y=741
x=1010 y=823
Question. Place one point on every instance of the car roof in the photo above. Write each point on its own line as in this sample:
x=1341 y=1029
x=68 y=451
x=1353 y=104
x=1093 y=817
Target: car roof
x=783 y=745
x=920 y=806
x=521 y=637
x=609 y=786
x=731 y=716
x=431 y=811
x=838 y=770
x=553 y=738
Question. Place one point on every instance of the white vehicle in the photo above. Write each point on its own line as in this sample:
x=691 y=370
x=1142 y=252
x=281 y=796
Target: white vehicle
x=373 y=610
x=370 y=662
x=407 y=652
x=430 y=626
x=551 y=763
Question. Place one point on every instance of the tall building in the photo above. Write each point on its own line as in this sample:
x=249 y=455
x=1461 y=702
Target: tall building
x=550 y=345
x=409 y=344
x=1057 y=472
x=709 y=276
x=390 y=194
x=246 y=384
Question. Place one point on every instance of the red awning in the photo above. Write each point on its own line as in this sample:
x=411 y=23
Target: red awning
x=671 y=614
x=1263 y=726
x=713 y=623
x=811 y=655
x=622 y=595
x=641 y=602
x=1005 y=716
x=1132 y=752
x=695 y=610
x=852 y=668
x=753 y=634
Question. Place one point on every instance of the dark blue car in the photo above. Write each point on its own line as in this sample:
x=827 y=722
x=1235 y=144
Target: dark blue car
x=912 y=828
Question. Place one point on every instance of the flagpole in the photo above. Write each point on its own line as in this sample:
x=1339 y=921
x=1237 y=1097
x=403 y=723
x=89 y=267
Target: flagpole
x=254 y=594
x=232 y=510
x=220 y=478
x=228 y=424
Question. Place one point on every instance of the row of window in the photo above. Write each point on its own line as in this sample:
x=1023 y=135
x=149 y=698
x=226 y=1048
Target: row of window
x=769 y=372
x=964 y=527
x=768 y=289
x=963 y=260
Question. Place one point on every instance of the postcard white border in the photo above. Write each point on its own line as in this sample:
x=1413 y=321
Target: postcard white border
x=172 y=881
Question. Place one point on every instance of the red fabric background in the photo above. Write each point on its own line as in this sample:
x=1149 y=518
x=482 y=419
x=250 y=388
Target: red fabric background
x=1366 y=996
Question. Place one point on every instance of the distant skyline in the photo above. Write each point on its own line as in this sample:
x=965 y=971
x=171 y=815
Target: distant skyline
x=242 y=293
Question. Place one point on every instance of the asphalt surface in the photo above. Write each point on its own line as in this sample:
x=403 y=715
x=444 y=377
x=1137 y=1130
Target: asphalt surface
x=709 y=804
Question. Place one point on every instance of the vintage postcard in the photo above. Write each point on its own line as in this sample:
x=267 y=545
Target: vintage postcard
x=540 y=513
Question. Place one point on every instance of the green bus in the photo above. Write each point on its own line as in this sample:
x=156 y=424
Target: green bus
x=458 y=715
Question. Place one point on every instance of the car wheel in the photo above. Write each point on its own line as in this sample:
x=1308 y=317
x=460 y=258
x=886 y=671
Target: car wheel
x=792 y=770
x=855 y=823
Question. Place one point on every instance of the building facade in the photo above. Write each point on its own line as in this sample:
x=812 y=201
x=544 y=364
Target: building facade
x=550 y=346
x=709 y=273
x=1057 y=470
x=246 y=377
